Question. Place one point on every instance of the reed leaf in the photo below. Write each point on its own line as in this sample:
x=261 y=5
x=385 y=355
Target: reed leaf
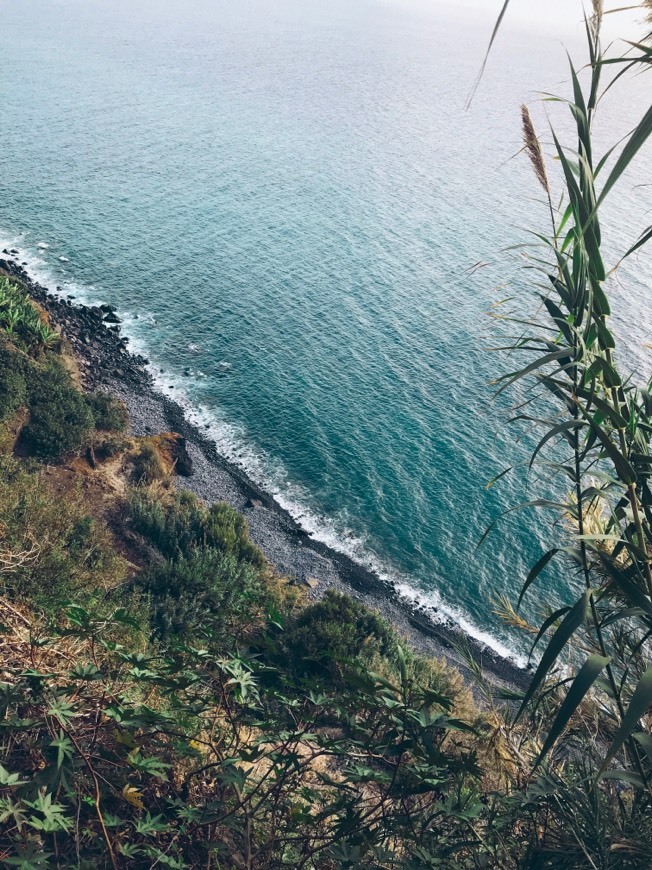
x=575 y=617
x=534 y=573
x=635 y=143
x=588 y=674
x=494 y=34
x=638 y=706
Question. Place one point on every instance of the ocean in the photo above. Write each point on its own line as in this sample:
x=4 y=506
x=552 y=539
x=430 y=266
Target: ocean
x=304 y=229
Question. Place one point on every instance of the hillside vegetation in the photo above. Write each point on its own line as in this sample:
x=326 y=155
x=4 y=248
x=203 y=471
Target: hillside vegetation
x=166 y=699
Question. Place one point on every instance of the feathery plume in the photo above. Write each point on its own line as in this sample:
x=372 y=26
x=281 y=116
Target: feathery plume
x=533 y=148
x=596 y=19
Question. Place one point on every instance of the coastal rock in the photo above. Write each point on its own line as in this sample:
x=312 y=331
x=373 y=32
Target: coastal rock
x=183 y=460
x=174 y=449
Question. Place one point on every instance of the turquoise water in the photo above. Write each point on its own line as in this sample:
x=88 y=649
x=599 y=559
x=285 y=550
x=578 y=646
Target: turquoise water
x=285 y=200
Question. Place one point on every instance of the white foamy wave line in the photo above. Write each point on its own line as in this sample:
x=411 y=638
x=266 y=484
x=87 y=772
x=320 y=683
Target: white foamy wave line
x=231 y=442
x=33 y=260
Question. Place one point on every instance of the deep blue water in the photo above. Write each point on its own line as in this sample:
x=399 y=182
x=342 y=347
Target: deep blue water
x=286 y=199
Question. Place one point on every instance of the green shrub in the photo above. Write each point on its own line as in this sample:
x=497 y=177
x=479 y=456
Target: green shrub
x=227 y=530
x=13 y=387
x=334 y=632
x=177 y=528
x=147 y=466
x=60 y=420
x=206 y=592
x=109 y=413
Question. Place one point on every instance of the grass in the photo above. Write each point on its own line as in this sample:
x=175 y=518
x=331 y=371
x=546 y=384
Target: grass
x=53 y=548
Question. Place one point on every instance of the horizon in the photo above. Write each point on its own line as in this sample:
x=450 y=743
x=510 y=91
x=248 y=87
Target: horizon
x=559 y=19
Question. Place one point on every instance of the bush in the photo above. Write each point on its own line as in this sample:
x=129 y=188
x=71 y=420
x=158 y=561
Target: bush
x=148 y=467
x=334 y=632
x=13 y=387
x=227 y=530
x=60 y=419
x=60 y=550
x=177 y=528
x=208 y=593
x=109 y=413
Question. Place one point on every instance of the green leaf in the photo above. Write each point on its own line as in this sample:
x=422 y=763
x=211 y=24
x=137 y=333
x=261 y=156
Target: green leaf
x=560 y=429
x=10 y=780
x=636 y=141
x=488 y=52
x=587 y=675
x=534 y=573
x=645 y=740
x=625 y=776
x=600 y=366
x=638 y=706
x=643 y=240
x=623 y=468
x=550 y=620
x=65 y=748
x=626 y=584
x=533 y=366
x=608 y=410
x=576 y=616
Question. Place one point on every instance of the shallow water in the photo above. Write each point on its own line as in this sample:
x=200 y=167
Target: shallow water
x=286 y=201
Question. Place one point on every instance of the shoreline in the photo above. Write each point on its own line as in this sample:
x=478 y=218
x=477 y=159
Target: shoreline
x=106 y=363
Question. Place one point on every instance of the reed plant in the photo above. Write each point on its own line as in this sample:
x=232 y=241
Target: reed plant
x=594 y=425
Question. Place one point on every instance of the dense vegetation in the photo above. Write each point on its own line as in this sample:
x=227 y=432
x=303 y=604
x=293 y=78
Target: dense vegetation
x=167 y=700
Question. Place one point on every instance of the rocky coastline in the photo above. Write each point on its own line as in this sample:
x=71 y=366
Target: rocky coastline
x=106 y=363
